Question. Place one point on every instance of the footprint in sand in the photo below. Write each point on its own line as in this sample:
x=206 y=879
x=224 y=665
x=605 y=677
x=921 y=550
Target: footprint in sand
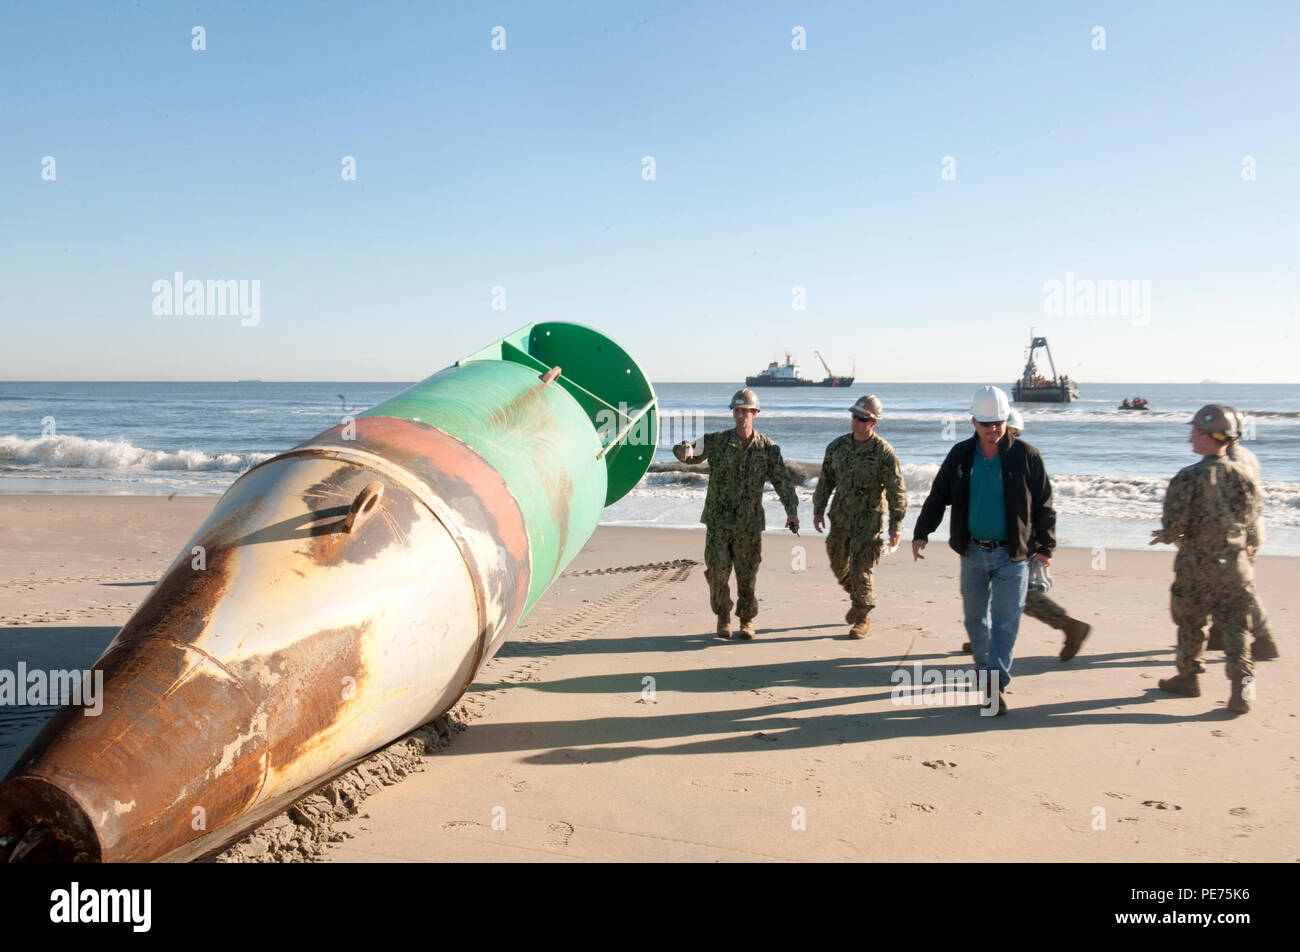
x=1161 y=805
x=938 y=764
x=1241 y=811
x=460 y=824
x=518 y=785
x=709 y=786
x=558 y=834
x=760 y=776
x=924 y=807
x=986 y=754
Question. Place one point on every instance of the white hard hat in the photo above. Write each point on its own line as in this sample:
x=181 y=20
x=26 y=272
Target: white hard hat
x=1015 y=420
x=989 y=405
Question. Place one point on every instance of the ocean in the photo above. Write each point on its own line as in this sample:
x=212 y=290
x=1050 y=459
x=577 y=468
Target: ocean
x=1109 y=468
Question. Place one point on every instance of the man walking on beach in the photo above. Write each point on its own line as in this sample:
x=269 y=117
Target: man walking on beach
x=1037 y=603
x=1263 y=648
x=859 y=468
x=1002 y=518
x=741 y=460
x=1211 y=510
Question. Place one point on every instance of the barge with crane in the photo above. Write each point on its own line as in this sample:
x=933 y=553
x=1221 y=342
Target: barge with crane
x=787 y=375
x=1034 y=387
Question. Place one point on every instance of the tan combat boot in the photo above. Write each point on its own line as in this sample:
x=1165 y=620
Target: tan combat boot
x=724 y=626
x=861 y=628
x=746 y=630
x=1264 y=648
x=1075 y=632
x=1237 y=702
x=1188 y=685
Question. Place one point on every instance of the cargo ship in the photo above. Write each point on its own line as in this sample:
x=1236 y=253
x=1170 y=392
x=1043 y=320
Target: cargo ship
x=1033 y=387
x=787 y=375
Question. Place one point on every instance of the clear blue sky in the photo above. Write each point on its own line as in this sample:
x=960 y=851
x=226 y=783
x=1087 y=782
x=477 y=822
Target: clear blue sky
x=774 y=168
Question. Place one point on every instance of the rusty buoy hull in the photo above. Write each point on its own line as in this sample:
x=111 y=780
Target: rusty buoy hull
x=338 y=596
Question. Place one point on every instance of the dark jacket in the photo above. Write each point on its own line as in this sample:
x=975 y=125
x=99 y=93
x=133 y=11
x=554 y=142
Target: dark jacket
x=1031 y=521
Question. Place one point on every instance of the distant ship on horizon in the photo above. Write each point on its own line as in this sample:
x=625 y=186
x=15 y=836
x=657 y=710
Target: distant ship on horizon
x=787 y=375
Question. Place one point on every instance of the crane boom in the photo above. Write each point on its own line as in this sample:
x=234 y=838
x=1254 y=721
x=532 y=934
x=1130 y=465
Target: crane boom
x=824 y=364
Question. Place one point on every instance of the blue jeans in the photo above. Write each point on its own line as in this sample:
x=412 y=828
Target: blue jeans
x=993 y=593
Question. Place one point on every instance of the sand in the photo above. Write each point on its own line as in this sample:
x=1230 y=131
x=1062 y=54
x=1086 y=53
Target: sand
x=615 y=726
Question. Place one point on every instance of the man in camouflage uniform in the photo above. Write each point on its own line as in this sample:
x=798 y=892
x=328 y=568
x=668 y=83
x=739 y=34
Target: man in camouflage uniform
x=740 y=461
x=1263 y=648
x=1211 y=509
x=860 y=469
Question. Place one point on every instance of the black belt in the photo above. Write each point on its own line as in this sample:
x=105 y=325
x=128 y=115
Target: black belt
x=989 y=545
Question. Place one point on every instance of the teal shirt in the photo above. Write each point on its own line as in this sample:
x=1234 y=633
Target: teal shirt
x=987 y=518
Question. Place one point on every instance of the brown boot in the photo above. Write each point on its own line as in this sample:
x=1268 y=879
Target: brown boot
x=861 y=628
x=746 y=630
x=1188 y=685
x=1264 y=648
x=1237 y=702
x=1215 y=641
x=1075 y=632
x=724 y=626
x=965 y=646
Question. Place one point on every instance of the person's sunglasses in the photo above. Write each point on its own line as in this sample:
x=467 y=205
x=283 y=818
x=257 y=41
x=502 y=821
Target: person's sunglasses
x=995 y=423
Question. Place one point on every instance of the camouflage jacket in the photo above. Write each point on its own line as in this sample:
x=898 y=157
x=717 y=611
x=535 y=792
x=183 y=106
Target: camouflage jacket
x=861 y=475
x=736 y=476
x=1211 y=508
x=1250 y=463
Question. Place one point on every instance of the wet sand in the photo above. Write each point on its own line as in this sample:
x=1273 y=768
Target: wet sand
x=615 y=726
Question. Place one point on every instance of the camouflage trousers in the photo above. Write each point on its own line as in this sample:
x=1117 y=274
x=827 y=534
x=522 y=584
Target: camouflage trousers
x=723 y=549
x=1205 y=588
x=1038 y=605
x=1256 y=619
x=854 y=556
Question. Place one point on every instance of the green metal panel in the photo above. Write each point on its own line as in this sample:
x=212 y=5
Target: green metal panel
x=566 y=449
x=606 y=382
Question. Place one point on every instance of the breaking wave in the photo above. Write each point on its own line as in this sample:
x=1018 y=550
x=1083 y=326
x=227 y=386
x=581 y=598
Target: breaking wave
x=1133 y=497
x=73 y=452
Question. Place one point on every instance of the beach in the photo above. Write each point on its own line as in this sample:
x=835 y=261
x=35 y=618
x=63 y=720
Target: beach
x=613 y=725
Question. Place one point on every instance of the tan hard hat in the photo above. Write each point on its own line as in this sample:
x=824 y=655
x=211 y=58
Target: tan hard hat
x=867 y=407
x=745 y=398
x=1213 y=418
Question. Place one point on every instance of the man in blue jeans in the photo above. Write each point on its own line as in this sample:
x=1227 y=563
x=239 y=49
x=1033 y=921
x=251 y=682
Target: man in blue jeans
x=1002 y=519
